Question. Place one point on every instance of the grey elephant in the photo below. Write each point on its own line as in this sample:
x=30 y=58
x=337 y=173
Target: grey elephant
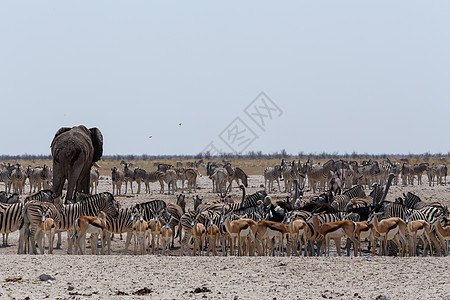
x=74 y=151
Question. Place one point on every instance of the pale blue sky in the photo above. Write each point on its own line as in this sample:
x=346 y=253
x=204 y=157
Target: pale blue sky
x=364 y=76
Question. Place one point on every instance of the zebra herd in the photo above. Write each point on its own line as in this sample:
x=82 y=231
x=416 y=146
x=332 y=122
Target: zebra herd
x=15 y=175
x=344 y=174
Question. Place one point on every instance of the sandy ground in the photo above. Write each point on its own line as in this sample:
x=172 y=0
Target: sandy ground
x=122 y=276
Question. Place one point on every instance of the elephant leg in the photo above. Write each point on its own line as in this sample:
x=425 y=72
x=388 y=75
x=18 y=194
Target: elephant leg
x=74 y=176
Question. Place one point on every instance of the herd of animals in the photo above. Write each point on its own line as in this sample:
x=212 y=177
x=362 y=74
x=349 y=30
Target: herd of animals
x=267 y=222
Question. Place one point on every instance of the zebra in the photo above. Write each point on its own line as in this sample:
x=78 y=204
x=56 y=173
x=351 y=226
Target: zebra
x=289 y=173
x=150 y=208
x=128 y=175
x=14 y=198
x=417 y=170
x=122 y=223
x=11 y=219
x=181 y=176
x=407 y=177
x=93 y=181
x=179 y=164
x=164 y=167
x=154 y=177
x=235 y=174
x=42 y=195
x=271 y=174
x=117 y=179
x=319 y=174
x=139 y=175
x=32 y=215
x=219 y=179
x=171 y=178
x=18 y=179
x=176 y=211
x=371 y=172
x=340 y=201
x=191 y=177
x=5 y=176
x=90 y=206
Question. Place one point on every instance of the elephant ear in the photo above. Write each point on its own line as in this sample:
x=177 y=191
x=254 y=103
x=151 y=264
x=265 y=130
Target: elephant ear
x=60 y=131
x=97 y=142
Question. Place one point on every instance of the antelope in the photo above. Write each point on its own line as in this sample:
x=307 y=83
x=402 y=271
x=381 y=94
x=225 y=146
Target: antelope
x=297 y=229
x=443 y=233
x=422 y=229
x=213 y=236
x=237 y=229
x=198 y=234
x=140 y=229
x=47 y=228
x=166 y=233
x=92 y=225
x=334 y=230
x=365 y=230
x=155 y=228
x=389 y=229
x=266 y=230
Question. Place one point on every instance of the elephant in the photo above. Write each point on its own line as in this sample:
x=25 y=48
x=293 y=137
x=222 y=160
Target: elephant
x=74 y=151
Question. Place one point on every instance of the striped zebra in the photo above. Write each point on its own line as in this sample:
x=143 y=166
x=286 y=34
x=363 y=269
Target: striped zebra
x=14 y=198
x=176 y=211
x=371 y=172
x=219 y=179
x=407 y=171
x=33 y=213
x=93 y=180
x=171 y=178
x=151 y=208
x=42 y=195
x=289 y=173
x=11 y=219
x=340 y=201
x=155 y=176
x=318 y=175
x=122 y=223
x=91 y=206
x=235 y=174
x=164 y=167
x=5 y=176
x=117 y=179
x=18 y=179
x=386 y=168
x=191 y=175
x=128 y=175
x=139 y=175
x=272 y=174
x=418 y=170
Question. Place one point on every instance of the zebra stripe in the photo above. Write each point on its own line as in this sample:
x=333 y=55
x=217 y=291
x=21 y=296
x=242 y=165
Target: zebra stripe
x=151 y=208
x=272 y=174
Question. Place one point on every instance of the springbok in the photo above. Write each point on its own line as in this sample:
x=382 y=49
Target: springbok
x=166 y=233
x=238 y=229
x=363 y=231
x=297 y=230
x=213 y=236
x=335 y=231
x=140 y=229
x=443 y=233
x=422 y=229
x=154 y=226
x=47 y=228
x=92 y=225
x=198 y=234
x=266 y=230
x=390 y=229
